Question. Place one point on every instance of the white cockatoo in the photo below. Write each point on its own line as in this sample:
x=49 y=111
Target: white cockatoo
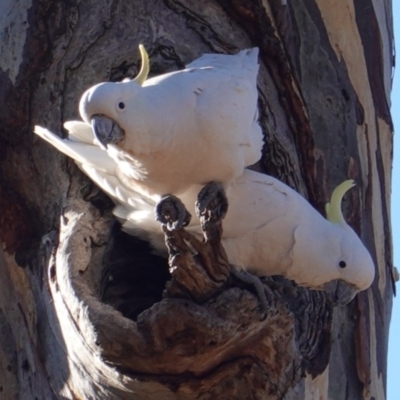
x=192 y=126
x=269 y=229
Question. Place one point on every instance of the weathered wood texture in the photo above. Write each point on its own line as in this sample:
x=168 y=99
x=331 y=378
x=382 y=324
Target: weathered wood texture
x=324 y=84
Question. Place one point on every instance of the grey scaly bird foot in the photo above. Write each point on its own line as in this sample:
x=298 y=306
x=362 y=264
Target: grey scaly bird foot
x=264 y=293
x=171 y=212
x=212 y=200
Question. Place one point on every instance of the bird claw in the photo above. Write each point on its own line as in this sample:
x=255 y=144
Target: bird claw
x=212 y=202
x=264 y=293
x=171 y=212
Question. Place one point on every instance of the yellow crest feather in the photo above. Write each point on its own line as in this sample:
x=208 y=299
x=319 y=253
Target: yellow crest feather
x=334 y=207
x=145 y=67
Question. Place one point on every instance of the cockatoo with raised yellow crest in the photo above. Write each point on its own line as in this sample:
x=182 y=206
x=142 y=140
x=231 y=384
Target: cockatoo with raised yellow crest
x=269 y=229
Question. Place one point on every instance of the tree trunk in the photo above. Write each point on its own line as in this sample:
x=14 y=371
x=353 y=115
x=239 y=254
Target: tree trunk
x=82 y=312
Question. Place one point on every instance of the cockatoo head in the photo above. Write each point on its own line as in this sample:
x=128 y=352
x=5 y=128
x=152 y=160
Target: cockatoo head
x=104 y=104
x=344 y=265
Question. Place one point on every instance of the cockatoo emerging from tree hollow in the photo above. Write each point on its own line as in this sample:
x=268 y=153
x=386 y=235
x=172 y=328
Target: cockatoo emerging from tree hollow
x=269 y=229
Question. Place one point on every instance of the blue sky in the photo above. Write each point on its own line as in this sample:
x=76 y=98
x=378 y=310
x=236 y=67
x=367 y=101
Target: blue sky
x=394 y=338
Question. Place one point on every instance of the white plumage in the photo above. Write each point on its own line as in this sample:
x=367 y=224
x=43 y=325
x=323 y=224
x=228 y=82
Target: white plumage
x=269 y=229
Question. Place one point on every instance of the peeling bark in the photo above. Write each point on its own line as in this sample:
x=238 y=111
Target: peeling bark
x=82 y=309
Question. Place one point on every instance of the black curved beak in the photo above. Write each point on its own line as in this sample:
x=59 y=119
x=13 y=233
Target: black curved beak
x=106 y=130
x=340 y=292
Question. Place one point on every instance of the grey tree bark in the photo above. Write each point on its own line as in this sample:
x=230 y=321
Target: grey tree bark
x=81 y=309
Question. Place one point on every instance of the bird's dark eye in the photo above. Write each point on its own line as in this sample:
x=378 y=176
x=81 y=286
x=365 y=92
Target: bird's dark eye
x=121 y=105
x=342 y=264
